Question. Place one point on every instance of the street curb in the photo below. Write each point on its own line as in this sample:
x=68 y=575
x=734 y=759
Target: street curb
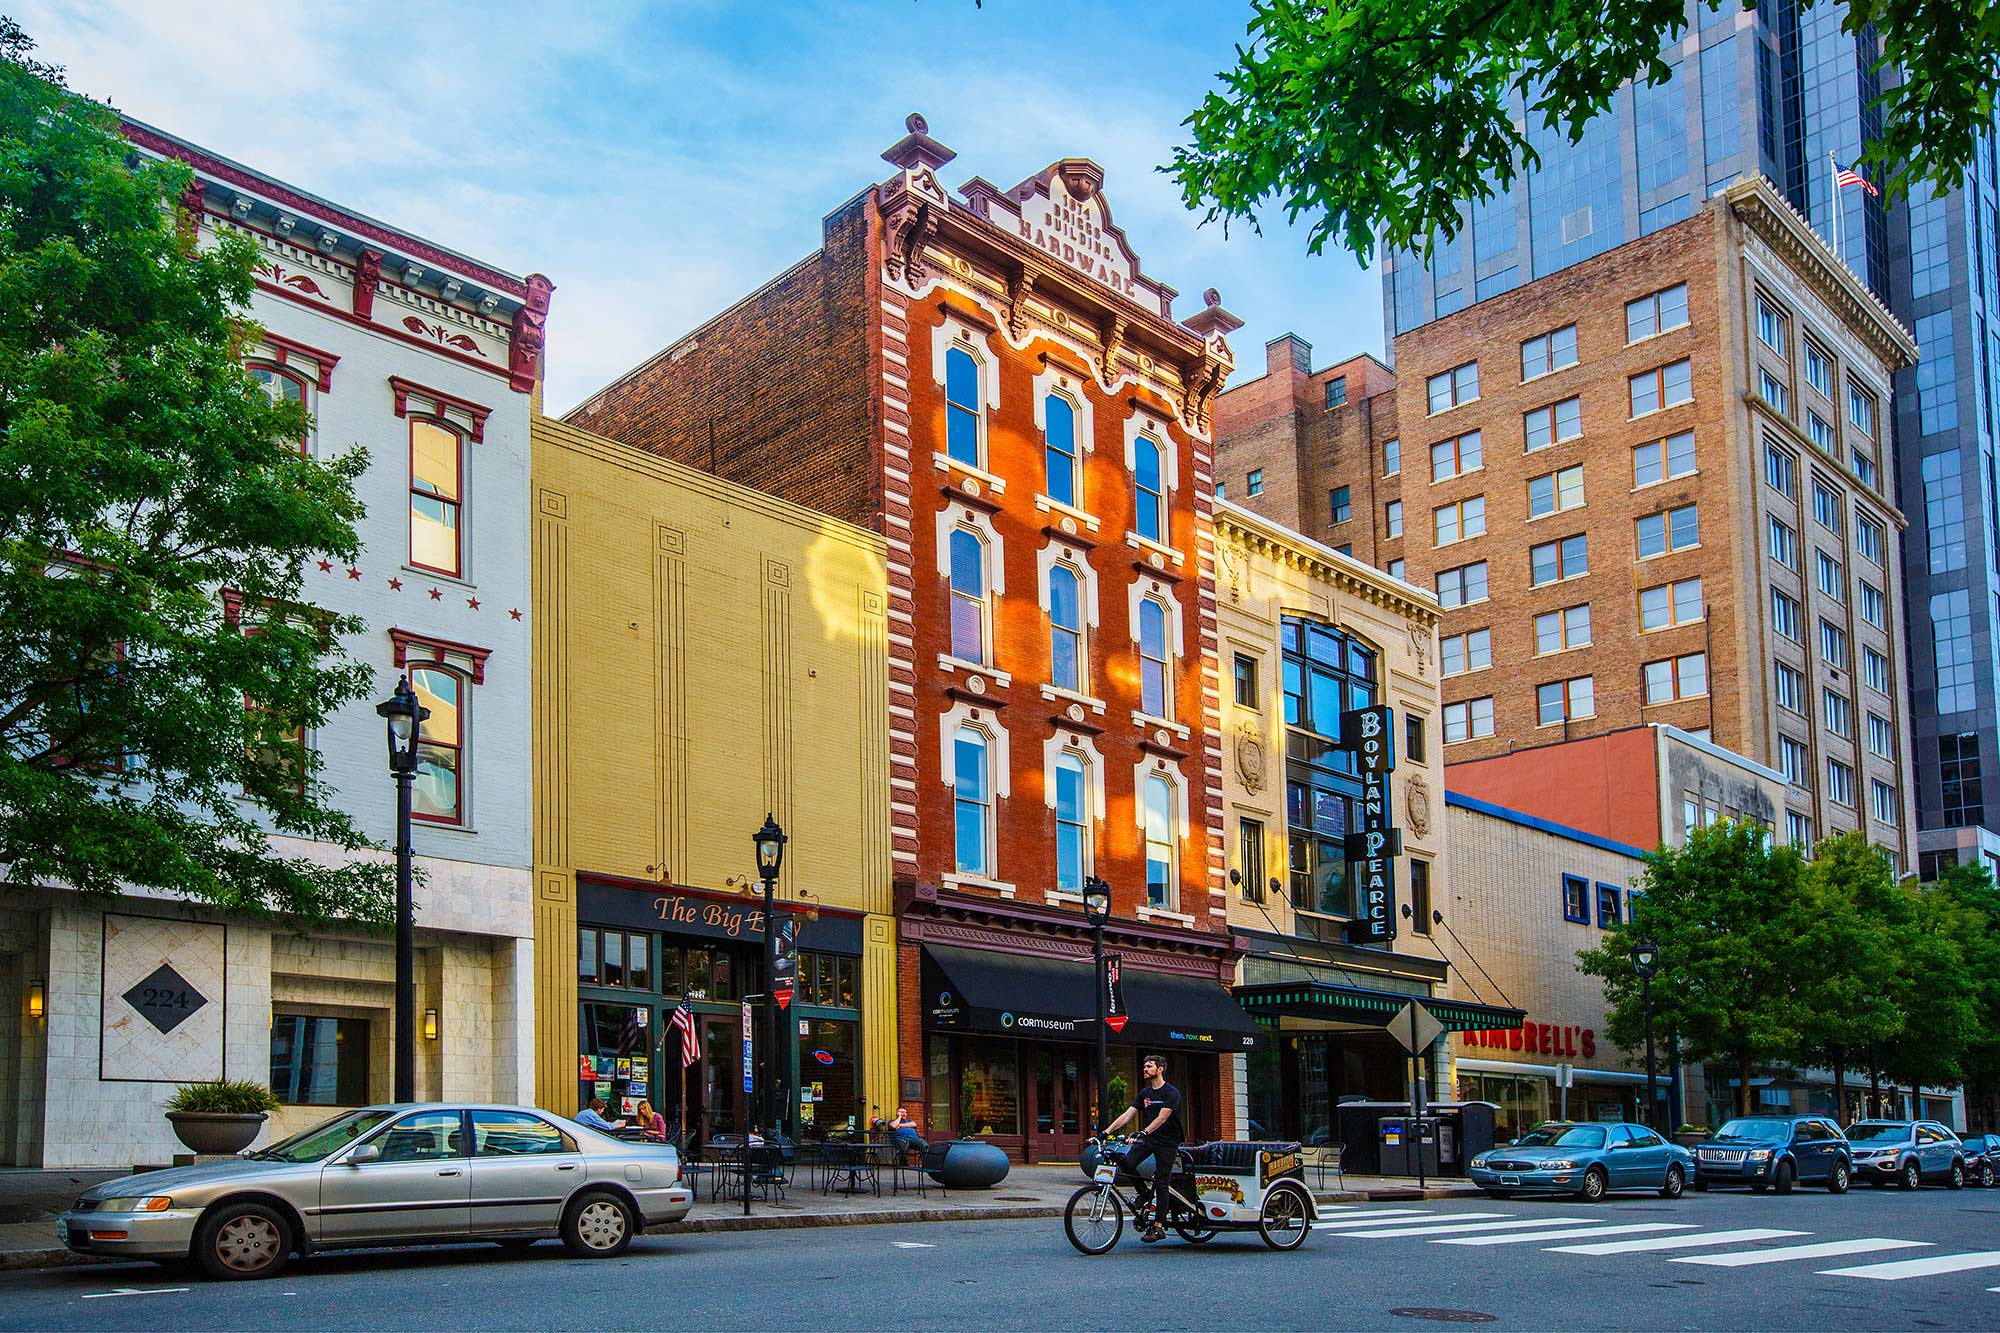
x=784 y=1222
x=50 y=1258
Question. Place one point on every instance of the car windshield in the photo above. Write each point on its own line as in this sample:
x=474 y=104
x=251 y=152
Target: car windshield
x=323 y=1140
x=1564 y=1136
x=1760 y=1130
x=1863 y=1133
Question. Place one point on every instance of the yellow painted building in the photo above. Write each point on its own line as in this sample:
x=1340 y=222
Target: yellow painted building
x=705 y=653
x=1307 y=633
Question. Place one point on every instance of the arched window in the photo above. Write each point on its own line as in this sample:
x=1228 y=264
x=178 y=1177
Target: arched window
x=972 y=805
x=1149 y=502
x=1066 y=628
x=439 y=792
x=1159 y=810
x=436 y=497
x=1061 y=417
x=961 y=406
x=281 y=386
x=1072 y=824
x=968 y=596
x=1155 y=686
x=1326 y=673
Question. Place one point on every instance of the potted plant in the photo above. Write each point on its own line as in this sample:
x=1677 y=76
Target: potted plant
x=1689 y=1135
x=219 y=1118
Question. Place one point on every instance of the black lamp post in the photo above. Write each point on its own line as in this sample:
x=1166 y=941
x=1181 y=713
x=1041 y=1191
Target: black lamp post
x=1645 y=962
x=770 y=841
x=405 y=717
x=1097 y=911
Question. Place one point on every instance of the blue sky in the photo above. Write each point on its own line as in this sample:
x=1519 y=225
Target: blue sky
x=659 y=161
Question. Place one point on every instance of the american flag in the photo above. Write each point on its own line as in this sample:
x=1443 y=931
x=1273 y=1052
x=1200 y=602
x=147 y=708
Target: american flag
x=1846 y=176
x=683 y=1023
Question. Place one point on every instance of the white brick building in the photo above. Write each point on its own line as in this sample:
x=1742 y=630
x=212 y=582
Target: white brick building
x=429 y=360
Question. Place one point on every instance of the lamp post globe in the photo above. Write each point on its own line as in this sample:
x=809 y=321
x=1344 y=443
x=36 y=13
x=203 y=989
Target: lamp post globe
x=1645 y=958
x=770 y=841
x=1646 y=962
x=1096 y=902
x=404 y=718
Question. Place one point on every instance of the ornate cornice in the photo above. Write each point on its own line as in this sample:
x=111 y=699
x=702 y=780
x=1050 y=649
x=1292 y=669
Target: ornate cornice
x=1260 y=536
x=1768 y=214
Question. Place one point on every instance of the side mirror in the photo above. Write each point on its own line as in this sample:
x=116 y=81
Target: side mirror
x=367 y=1152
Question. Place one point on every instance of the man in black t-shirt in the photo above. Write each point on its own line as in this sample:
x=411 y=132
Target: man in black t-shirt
x=1157 y=1109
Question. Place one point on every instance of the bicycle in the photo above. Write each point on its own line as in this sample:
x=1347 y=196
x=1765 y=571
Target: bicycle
x=1215 y=1187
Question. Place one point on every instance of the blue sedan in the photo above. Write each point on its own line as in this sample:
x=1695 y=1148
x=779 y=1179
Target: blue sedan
x=1588 y=1161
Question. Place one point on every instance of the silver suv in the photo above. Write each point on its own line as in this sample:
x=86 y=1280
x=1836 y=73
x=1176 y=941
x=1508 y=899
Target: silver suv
x=1906 y=1153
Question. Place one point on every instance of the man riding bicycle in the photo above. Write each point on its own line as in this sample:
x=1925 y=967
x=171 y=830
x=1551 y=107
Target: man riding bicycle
x=1157 y=1109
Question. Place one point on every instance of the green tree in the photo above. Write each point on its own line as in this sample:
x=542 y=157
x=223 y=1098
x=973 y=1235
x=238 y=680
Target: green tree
x=1725 y=913
x=1970 y=889
x=1935 y=990
x=1375 y=119
x=1853 y=914
x=155 y=518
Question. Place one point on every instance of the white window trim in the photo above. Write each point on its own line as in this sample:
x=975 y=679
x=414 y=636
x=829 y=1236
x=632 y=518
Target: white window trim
x=1138 y=591
x=1143 y=422
x=956 y=331
x=1056 y=694
x=1059 y=553
x=1177 y=793
x=1084 y=748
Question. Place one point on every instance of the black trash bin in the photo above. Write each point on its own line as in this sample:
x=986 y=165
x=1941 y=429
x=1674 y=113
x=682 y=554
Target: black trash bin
x=1404 y=1141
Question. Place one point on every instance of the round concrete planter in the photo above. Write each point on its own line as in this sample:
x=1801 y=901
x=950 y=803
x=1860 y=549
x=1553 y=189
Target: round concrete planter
x=970 y=1164
x=215 y=1134
x=1688 y=1138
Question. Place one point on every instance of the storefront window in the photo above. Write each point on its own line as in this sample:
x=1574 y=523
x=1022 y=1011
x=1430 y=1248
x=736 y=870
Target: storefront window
x=697 y=982
x=937 y=1082
x=830 y=1075
x=1523 y=1100
x=1326 y=673
x=989 y=1087
x=319 y=1061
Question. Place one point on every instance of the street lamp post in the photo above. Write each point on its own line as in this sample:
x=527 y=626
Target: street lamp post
x=405 y=717
x=1097 y=911
x=770 y=841
x=1645 y=962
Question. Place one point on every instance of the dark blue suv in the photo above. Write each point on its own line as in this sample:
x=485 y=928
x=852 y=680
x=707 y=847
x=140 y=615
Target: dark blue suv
x=1775 y=1152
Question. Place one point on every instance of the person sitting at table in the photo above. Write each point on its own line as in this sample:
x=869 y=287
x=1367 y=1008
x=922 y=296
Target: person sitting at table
x=651 y=1121
x=903 y=1132
x=592 y=1116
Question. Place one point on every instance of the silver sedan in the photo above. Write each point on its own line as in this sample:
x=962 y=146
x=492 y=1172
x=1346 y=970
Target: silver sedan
x=389 y=1175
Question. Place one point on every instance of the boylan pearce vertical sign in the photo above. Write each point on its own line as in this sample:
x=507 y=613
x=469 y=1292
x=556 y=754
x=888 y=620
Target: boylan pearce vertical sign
x=1369 y=734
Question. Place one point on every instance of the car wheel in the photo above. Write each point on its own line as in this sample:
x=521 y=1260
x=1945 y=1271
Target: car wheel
x=1986 y=1175
x=1595 y=1185
x=1912 y=1177
x=1781 y=1180
x=243 y=1240
x=598 y=1225
x=1838 y=1179
x=1956 y=1180
x=1675 y=1184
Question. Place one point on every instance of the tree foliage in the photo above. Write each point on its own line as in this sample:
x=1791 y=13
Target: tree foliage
x=156 y=515
x=1375 y=119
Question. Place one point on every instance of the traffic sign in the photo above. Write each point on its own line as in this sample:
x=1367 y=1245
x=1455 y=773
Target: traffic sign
x=1415 y=1027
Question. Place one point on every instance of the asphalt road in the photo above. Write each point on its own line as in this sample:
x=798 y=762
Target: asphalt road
x=1361 y=1270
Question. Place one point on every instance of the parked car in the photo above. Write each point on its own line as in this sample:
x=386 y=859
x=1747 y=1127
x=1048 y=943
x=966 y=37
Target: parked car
x=1588 y=1161
x=388 y=1175
x=1775 y=1152
x=1906 y=1153
x=1982 y=1159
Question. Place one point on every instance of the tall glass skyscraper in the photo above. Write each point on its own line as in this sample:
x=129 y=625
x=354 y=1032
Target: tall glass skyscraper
x=1776 y=91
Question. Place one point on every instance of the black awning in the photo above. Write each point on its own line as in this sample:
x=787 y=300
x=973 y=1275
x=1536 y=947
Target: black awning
x=1375 y=1008
x=969 y=990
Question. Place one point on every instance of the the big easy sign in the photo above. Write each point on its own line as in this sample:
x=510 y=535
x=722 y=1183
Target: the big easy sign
x=1369 y=734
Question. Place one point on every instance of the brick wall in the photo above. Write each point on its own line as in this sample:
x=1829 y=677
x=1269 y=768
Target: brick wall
x=781 y=379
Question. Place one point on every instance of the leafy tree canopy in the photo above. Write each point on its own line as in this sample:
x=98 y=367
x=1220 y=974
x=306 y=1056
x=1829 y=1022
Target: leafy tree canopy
x=1376 y=118
x=156 y=514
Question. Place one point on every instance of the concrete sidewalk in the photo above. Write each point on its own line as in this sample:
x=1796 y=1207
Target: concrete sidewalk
x=30 y=1201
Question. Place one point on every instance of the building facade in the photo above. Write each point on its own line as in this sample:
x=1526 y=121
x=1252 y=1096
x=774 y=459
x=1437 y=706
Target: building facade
x=1777 y=91
x=428 y=359
x=990 y=381
x=706 y=654
x=1527 y=895
x=1307 y=635
x=1656 y=487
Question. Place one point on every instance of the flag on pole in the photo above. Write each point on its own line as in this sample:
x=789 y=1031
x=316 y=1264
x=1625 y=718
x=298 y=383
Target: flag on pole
x=683 y=1023
x=1846 y=176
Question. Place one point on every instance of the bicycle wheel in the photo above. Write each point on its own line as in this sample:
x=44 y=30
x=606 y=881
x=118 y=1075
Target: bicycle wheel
x=1286 y=1216
x=1193 y=1233
x=1094 y=1219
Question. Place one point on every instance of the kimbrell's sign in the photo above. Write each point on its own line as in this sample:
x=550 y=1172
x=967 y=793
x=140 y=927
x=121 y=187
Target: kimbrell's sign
x=1369 y=734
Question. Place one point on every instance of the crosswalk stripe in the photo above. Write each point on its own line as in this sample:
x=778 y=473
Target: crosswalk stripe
x=1445 y=1228
x=1684 y=1242
x=1566 y=1233
x=1414 y=1219
x=1898 y=1269
x=1399 y=1215
x=1786 y=1253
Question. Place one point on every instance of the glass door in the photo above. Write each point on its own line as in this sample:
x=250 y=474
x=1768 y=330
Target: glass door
x=721 y=1106
x=1061 y=1102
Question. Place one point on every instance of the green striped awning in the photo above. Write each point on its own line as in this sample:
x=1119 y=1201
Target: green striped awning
x=1358 y=1004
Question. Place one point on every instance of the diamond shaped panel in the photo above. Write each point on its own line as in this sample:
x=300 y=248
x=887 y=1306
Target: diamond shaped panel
x=165 y=998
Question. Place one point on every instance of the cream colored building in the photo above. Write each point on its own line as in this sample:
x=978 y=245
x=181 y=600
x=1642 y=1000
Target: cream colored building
x=705 y=654
x=1305 y=634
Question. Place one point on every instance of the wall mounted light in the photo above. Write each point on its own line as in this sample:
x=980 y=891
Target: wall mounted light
x=430 y=1025
x=37 y=999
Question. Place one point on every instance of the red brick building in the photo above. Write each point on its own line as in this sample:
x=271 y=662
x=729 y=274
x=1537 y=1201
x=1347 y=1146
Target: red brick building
x=991 y=381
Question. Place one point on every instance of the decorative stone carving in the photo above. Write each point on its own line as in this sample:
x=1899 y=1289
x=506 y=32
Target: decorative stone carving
x=1114 y=342
x=367 y=269
x=1162 y=738
x=1017 y=303
x=971 y=486
x=1249 y=756
x=977 y=684
x=1417 y=806
x=1074 y=712
x=531 y=323
x=1068 y=525
x=1420 y=646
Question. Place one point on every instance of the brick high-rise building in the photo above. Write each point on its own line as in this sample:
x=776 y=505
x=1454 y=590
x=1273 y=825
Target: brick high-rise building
x=991 y=381
x=1656 y=486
